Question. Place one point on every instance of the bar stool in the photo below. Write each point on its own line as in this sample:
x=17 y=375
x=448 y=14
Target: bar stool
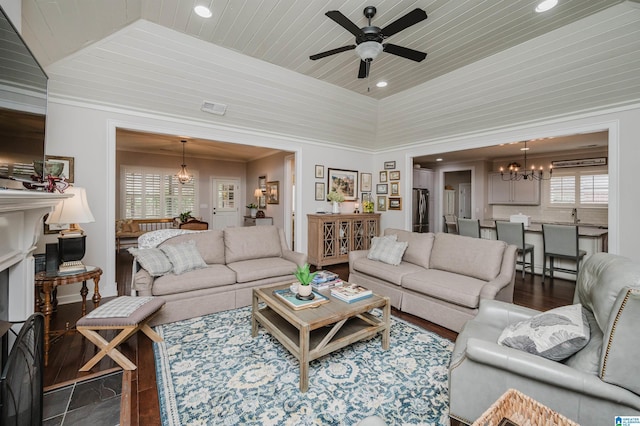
x=513 y=233
x=560 y=241
x=450 y=223
x=469 y=227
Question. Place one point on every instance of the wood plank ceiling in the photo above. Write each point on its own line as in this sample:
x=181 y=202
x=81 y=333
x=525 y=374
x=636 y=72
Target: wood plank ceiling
x=287 y=32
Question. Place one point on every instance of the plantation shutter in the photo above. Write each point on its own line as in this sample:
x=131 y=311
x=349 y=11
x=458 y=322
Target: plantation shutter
x=594 y=189
x=150 y=193
x=562 y=190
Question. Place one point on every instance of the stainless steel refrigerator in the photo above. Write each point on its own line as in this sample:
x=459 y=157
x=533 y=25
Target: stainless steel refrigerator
x=420 y=208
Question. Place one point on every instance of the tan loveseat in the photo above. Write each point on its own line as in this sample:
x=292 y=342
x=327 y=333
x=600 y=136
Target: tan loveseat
x=441 y=277
x=237 y=260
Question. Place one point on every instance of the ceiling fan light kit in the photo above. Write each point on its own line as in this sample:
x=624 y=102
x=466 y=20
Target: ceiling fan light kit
x=368 y=42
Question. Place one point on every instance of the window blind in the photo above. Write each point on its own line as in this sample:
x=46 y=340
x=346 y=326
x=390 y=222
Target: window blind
x=594 y=189
x=562 y=190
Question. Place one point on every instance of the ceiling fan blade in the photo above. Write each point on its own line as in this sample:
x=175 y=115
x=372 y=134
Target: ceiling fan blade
x=363 y=72
x=411 y=18
x=344 y=22
x=331 y=52
x=404 y=52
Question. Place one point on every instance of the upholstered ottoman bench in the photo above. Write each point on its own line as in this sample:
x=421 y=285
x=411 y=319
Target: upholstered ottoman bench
x=125 y=313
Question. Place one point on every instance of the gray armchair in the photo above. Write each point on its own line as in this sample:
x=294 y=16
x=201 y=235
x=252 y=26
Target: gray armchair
x=600 y=381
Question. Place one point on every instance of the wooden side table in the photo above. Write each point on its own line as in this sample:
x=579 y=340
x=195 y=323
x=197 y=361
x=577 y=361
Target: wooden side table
x=49 y=284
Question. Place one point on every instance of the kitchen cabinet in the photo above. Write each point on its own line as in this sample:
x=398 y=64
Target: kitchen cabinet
x=519 y=192
x=423 y=179
x=332 y=236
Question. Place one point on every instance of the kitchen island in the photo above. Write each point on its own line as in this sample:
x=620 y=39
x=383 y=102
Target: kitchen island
x=592 y=239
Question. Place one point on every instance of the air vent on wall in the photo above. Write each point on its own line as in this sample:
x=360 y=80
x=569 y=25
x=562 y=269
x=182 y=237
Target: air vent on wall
x=214 y=108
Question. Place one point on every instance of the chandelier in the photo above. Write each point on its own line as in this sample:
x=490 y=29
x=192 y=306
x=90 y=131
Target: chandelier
x=183 y=175
x=526 y=174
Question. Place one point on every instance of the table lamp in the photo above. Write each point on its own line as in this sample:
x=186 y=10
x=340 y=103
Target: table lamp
x=71 y=241
x=258 y=194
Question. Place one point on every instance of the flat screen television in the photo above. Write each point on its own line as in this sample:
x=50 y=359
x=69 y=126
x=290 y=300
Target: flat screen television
x=23 y=104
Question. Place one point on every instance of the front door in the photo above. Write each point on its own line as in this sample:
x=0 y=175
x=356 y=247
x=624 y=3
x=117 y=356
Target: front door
x=226 y=196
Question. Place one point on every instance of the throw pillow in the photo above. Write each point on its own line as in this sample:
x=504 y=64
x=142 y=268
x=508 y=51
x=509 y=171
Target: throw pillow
x=555 y=334
x=377 y=245
x=184 y=257
x=153 y=260
x=392 y=252
x=134 y=227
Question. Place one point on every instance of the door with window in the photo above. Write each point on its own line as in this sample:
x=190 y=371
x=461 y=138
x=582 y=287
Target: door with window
x=226 y=196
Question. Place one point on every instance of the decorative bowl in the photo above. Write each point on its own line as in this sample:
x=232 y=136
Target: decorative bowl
x=53 y=168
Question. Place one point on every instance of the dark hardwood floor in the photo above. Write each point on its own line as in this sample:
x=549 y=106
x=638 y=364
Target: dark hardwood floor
x=140 y=398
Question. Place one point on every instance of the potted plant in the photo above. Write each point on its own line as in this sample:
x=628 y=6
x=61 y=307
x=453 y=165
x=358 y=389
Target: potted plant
x=253 y=209
x=336 y=197
x=304 y=280
x=185 y=216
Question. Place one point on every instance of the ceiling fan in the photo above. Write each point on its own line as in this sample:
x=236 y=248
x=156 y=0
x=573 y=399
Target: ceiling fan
x=369 y=39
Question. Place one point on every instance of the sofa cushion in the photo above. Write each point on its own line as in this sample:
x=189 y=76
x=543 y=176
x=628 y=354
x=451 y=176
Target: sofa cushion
x=257 y=269
x=251 y=242
x=388 y=251
x=384 y=271
x=209 y=277
x=184 y=257
x=555 y=334
x=459 y=289
x=474 y=257
x=154 y=260
x=377 y=244
x=419 y=248
x=210 y=244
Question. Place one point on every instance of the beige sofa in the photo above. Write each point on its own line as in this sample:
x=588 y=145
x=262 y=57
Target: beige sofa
x=237 y=260
x=441 y=277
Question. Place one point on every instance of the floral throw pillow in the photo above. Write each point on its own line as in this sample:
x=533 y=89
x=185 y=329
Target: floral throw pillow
x=556 y=334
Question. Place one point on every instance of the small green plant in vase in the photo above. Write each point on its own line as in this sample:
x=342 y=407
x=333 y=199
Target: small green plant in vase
x=185 y=216
x=304 y=280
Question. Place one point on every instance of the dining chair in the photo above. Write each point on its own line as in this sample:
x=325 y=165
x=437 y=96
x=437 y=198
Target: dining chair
x=513 y=233
x=560 y=241
x=469 y=227
x=450 y=223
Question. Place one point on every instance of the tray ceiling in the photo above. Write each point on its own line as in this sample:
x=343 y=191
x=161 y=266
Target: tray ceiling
x=286 y=32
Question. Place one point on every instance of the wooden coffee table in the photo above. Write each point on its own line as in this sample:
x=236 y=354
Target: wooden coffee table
x=314 y=332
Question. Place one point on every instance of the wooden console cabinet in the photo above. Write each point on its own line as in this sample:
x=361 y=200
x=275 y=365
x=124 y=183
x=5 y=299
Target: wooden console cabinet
x=332 y=236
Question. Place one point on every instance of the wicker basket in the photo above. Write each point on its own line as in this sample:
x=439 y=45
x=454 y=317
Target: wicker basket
x=521 y=410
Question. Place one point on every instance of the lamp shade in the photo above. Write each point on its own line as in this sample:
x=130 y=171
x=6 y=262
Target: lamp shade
x=258 y=193
x=72 y=210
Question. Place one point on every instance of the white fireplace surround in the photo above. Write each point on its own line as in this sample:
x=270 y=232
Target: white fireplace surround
x=21 y=214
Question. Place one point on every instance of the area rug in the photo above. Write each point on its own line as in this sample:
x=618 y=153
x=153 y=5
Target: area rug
x=210 y=371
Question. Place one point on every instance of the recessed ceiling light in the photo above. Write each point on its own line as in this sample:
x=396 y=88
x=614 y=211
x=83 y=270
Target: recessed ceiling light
x=524 y=149
x=381 y=84
x=438 y=159
x=203 y=11
x=545 y=5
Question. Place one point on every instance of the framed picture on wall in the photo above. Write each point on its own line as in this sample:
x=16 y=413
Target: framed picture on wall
x=321 y=195
x=389 y=165
x=319 y=171
x=394 y=175
x=394 y=188
x=395 y=203
x=382 y=188
x=365 y=182
x=273 y=192
x=383 y=176
x=262 y=183
x=382 y=203
x=345 y=181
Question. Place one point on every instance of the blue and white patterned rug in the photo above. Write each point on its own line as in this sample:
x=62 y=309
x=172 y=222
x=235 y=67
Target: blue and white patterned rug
x=210 y=371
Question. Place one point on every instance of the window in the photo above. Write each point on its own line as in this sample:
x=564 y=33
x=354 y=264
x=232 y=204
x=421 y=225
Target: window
x=562 y=190
x=594 y=189
x=149 y=193
x=580 y=188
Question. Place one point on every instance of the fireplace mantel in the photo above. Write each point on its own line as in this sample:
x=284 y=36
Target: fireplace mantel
x=21 y=214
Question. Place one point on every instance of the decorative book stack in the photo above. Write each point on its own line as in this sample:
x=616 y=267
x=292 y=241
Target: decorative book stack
x=351 y=293
x=325 y=279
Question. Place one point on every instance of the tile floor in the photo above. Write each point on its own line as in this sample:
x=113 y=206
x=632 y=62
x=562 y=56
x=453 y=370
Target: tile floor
x=93 y=402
